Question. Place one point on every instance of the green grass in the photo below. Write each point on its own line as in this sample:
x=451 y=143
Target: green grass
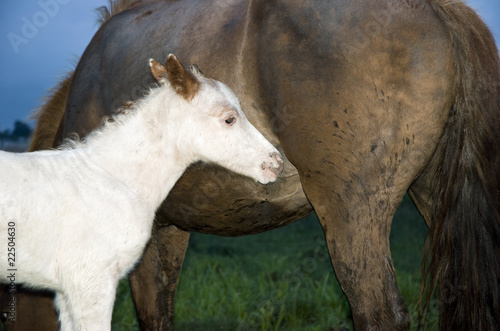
x=277 y=280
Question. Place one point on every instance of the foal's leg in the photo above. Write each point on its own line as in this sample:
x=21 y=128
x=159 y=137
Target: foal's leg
x=65 y=318
x=154 y=281
x=91 y=305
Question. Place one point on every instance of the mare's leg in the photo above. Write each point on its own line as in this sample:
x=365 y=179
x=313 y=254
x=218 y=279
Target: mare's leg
x=357 y=223
x=355 y=166
x=172 y=246
x=154 y=281
x=34 y=311
x=355 y=173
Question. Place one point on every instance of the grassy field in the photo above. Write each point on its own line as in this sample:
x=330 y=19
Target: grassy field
x=278 y=280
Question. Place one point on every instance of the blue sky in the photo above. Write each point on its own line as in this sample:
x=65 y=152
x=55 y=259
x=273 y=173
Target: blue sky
x=56 y=35
x=41 y=39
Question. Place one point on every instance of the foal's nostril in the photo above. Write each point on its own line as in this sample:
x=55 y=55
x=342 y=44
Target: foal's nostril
x=276 y=167
x=279 y=159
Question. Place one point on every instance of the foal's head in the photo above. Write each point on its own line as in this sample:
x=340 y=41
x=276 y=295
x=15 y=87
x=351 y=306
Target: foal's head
x=211 y=126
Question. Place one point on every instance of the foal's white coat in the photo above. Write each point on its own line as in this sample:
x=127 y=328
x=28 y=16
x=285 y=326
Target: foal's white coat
x=83 y=214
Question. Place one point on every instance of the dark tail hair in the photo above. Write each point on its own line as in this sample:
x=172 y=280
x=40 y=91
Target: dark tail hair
x=462 y=250
x=50 y=115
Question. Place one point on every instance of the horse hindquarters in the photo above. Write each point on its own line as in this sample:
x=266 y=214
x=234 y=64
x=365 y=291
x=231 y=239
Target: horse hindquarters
x=359 y=131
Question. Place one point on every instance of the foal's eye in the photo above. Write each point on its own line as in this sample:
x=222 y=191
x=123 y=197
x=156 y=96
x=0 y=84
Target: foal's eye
x=230 y=120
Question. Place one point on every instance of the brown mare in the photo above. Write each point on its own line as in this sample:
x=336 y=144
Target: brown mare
x=368 y=100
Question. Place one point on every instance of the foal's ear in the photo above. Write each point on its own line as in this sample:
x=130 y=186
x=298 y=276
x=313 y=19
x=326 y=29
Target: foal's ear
x=158 y=70
x=183 y=81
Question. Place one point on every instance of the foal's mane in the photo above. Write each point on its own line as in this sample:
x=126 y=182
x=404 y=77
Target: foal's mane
x=108 y=122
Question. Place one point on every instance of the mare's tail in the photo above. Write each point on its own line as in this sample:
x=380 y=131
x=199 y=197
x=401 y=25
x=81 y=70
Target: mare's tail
x=462 y=255
x=49 y=116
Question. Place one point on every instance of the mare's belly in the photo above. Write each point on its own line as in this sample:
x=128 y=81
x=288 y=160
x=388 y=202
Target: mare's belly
x=209 y=199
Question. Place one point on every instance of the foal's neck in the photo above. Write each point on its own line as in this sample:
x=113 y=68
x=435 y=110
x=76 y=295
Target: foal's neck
x=140 y=149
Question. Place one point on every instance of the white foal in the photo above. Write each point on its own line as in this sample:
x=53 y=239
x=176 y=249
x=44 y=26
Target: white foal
x=79 y=217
